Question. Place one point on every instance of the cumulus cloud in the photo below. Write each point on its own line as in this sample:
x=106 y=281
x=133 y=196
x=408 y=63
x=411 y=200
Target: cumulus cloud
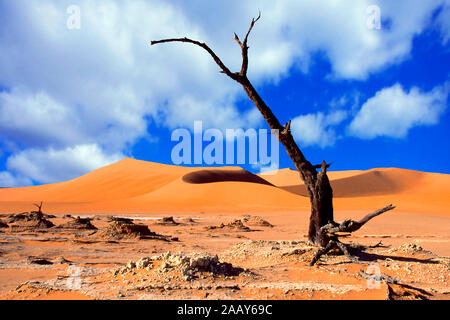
x=7 y=179
x=34 y=119
x=183 y=111
x=393 y=111
x=317 y=129
x=101 y=84
x=291 y=32
x=443 y=22
x=48 y=166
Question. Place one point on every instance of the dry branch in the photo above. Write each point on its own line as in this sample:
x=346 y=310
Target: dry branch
x=328 y=233
x=204 y=46
x=351 y=225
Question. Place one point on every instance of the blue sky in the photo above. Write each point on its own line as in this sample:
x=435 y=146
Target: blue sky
x=73 y=100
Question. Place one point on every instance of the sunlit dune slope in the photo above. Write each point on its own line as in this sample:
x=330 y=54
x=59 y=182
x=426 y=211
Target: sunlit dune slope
x=133 y=185
x=124 y=179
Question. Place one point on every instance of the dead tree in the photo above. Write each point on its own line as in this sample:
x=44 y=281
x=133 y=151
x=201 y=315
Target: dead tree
x=317 y=183
x=39 y=213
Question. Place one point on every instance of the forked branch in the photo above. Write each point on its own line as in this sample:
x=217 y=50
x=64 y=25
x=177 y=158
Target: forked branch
x=237 y=76
x=244 y=46
x=219 y=62
x=351 y=225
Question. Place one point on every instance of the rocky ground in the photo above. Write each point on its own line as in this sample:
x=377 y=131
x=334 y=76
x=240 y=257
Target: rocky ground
x=214 y=257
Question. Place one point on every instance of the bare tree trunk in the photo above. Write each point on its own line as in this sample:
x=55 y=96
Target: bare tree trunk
x=39 y=213
x=321 y=206
x=317 y=183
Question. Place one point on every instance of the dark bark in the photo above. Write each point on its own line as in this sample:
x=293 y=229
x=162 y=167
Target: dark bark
x=39 y=212
x=317 y=183
x=328 y=235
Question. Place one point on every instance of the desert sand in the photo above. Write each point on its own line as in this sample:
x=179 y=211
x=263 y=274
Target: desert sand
x=125 y=246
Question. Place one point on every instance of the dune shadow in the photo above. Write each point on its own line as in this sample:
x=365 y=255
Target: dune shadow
x=223 y=175
x=367 y=184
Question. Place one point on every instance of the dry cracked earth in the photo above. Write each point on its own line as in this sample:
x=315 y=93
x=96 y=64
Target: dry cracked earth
x=213 y=257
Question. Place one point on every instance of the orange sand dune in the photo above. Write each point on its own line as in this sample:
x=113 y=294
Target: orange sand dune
x=124 y=179
x=409 y=190
x=138 y=186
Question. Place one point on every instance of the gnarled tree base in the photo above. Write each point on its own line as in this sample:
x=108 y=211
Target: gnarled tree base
x=328 y=234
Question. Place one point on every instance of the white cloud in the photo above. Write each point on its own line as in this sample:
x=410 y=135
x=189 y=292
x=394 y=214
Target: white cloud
x=58 y=165
x=443 y=21
x=317 y=129
x=291 y=32
x=100 y=84
x=34 y=119
x=392 y=112
x=8 y=180
x=348 y=101
x=183 y=111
